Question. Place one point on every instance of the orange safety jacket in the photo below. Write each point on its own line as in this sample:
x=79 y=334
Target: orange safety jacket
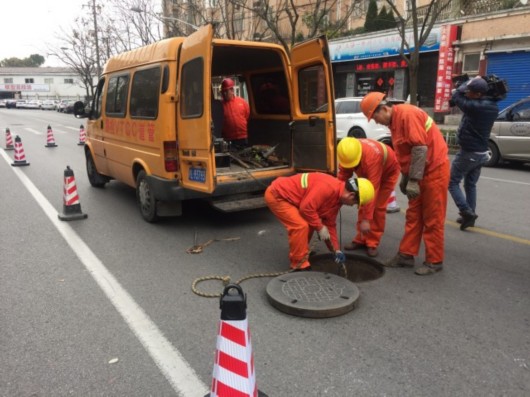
x=378 y=163
x=317 y=197
x=410 y=126
x=236 y=114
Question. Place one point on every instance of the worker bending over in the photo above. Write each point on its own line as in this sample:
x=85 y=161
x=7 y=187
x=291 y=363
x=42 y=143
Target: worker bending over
x=422 y=154
x=376 y=162
x=311 y=201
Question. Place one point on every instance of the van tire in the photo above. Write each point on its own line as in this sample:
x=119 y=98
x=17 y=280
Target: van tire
x=94 y=177
x=145 y=197
x=495 y=156
x=357 y=132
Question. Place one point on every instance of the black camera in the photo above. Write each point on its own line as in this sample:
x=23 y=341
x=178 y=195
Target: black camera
x=497 y=87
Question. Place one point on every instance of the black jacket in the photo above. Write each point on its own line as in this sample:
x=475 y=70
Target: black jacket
x=477 y=121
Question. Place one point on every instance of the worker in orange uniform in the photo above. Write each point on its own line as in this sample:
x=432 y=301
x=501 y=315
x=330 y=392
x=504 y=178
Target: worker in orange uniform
x=376 y=162
x=422 y=153
x=236 y=113
x=311 y=201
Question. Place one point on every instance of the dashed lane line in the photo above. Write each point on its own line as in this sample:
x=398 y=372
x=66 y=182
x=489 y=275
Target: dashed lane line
x=175 y=368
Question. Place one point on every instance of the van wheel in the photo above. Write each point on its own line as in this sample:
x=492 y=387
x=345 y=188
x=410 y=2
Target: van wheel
x=495 y=155
x=94 y=177
x=357 y=132
x=145 y=197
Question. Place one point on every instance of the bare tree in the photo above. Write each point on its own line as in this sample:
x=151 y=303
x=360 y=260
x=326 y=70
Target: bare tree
x=421 y=23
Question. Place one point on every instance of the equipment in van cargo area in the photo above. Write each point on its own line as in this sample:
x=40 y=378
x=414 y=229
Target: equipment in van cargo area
x=156 y=121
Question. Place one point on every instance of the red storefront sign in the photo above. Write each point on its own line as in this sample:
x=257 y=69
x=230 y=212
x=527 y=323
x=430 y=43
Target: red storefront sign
x=444 y=84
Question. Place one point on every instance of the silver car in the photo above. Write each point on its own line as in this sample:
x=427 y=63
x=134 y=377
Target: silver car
x=510 y=135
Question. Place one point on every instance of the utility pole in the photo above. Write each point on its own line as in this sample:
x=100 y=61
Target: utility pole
x=94 y=16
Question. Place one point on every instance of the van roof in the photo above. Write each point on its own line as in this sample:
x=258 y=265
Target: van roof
x=157 y=52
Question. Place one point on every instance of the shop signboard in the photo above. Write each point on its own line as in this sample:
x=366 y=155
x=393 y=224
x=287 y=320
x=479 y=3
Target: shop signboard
x=379 y=46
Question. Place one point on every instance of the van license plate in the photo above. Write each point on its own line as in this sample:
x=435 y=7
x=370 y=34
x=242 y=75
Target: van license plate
x=197 y=174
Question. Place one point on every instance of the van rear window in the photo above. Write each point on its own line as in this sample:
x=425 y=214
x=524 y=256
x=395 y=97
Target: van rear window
x=191 y=104
x=312 y=89
x=145 y=90
x=116 y=103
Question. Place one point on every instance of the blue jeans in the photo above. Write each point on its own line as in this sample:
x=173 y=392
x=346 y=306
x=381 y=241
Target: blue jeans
x=466 y=166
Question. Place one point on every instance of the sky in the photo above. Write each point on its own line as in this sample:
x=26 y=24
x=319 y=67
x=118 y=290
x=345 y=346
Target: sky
x=31 y=26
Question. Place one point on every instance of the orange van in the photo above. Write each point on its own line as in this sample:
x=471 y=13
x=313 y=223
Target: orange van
x=153 y=123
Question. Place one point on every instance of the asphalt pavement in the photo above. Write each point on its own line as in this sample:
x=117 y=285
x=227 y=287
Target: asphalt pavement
x=76 y=301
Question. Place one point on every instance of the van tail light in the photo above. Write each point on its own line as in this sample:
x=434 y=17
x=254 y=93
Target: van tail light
x=170 y=156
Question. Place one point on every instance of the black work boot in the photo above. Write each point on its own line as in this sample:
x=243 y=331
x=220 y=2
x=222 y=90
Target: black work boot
x=468 y=219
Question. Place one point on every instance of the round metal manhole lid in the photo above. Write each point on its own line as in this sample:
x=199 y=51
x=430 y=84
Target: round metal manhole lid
x=312 y=294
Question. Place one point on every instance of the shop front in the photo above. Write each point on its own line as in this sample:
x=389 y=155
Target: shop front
x=373 y=63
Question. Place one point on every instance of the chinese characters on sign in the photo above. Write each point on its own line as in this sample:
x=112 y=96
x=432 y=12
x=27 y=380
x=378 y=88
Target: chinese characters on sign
x=25 y=87
x=444 y=84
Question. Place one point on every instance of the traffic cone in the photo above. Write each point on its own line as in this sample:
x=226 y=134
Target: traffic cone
x=392 y=205
x=82 y=136
x=50 y=141
x=20 y=157
x=233 y=370
x=9 y=140
x=71 y=207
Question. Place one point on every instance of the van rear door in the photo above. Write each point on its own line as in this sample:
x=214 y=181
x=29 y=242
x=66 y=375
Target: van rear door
x=196 y=154
x=314 y=111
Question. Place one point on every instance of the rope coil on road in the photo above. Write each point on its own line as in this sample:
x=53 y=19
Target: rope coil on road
x=226 y=280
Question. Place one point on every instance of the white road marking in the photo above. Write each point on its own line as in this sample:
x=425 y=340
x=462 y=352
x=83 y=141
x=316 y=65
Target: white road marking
x=34 y=131
x=506 y=181
x=175 y=368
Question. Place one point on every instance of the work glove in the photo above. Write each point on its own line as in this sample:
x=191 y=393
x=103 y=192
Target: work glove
x=323 y=234
x=403 y=183
x=413 y=189
x=339 y=257
x=364 y=226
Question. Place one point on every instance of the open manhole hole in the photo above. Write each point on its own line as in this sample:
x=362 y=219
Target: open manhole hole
x=359 y=268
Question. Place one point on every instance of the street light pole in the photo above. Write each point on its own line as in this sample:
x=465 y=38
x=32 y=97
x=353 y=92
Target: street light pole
x=94 y=15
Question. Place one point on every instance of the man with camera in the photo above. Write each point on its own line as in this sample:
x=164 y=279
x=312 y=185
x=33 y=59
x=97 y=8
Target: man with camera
x=480 y=112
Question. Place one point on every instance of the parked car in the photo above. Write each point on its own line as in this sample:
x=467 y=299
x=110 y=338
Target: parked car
x=33 y=104
x=69 y=107
x=62 y=105
x=21 y=104
x=11 y=103
x=2 y=103
x=352 y=122
x=510 y=135
x=48 y=105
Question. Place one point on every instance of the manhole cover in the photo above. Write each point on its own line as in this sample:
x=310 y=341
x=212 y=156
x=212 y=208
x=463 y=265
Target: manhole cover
x=359 y=267
x=312 y=294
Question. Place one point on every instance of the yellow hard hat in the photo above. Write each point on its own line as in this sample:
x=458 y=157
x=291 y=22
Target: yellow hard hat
x=370 y=102
x=363 y=188
x=349 y=152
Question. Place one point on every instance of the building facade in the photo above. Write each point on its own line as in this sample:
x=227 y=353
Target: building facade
x=40 y=83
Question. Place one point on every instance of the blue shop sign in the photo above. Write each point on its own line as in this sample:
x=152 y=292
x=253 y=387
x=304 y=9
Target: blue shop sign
x=380 y=46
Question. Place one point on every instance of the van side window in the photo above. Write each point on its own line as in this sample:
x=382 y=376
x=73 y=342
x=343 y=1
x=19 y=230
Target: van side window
x=99 y=99
x=117 y=95
x=312 y=89
x=191 y=101
x=144 y=93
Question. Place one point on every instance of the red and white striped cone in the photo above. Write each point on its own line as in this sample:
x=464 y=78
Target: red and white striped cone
x=71 y=207
x=20 y=156
x=82 y=136
x=233 y=370
x=50 y=140
x=9 y=140
x=392 y=205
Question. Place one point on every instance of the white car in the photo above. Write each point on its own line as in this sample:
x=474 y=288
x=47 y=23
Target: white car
x=352 y=122
x=48 y=105
x=34 y=104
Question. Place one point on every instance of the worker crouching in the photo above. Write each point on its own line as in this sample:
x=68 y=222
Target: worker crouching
x=376 y=162
x=311 y=201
